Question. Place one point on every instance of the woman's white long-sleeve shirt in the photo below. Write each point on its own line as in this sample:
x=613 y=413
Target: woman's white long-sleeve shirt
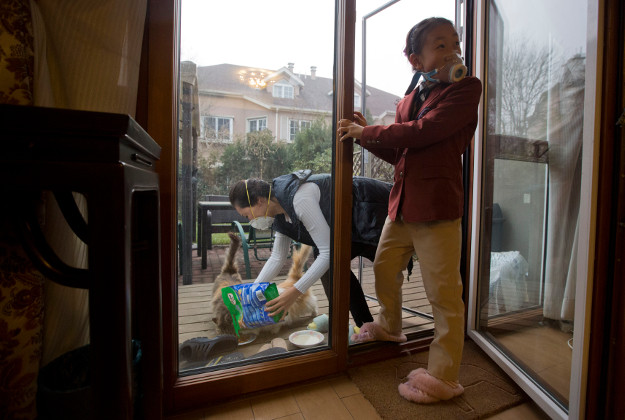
x=308 y=211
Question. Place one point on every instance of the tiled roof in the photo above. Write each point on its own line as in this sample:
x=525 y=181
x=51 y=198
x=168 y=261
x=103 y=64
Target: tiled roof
x=315 y=93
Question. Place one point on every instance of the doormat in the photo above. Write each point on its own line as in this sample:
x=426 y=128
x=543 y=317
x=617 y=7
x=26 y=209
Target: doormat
x=487 y=389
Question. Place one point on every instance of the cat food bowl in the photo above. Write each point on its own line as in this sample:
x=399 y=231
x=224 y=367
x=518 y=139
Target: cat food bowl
x=306 y=338
x=246 y=338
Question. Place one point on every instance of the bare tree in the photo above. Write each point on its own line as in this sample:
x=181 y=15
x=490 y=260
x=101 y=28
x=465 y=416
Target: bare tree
x=524 y=77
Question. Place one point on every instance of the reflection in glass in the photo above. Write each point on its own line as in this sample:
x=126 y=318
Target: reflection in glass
x=256 y=102
x=531 y=185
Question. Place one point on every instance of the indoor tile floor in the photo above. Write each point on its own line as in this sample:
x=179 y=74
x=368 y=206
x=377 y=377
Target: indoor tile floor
x=335 y=398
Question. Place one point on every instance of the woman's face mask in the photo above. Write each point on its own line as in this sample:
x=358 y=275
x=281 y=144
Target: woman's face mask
x=263 y=222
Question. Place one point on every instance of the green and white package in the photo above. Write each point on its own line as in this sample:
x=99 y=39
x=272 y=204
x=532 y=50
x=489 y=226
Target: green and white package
x=246 y=304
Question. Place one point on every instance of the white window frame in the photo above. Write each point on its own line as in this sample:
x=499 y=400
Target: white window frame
x=295 y=126
x=283 y=90
x=216 y=121
x=260 y=124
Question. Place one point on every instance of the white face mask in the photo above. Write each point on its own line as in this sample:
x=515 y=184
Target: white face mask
x=260 y=223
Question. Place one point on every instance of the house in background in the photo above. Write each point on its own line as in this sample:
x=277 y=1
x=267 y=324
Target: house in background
x=235 y=100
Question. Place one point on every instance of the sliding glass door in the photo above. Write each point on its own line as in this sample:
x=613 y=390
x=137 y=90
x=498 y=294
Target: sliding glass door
x=257 y=97
x=531 y=217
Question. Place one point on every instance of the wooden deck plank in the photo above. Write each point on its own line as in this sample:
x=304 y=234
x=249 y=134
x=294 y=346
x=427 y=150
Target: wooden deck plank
x=195 y=317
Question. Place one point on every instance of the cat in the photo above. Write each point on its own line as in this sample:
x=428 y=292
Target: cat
x=228 y=276
x=304 y=307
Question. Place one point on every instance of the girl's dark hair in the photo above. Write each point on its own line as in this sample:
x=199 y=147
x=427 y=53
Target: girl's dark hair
x=416 y=36
x=255 y=187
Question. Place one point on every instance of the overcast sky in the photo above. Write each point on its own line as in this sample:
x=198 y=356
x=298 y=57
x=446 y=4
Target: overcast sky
x=272 y=33
x=561 y=21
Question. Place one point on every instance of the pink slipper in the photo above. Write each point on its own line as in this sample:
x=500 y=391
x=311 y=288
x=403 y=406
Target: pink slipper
x=424 y=388
x=370 y=331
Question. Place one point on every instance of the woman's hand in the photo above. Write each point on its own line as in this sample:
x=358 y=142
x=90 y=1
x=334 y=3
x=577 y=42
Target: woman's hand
x=283 y=302
x=351 y=129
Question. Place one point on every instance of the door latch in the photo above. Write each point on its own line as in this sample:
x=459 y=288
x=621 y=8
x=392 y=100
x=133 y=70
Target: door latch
x=621 y=119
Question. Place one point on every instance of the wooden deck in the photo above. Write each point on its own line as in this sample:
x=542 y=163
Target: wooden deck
x=195 y=317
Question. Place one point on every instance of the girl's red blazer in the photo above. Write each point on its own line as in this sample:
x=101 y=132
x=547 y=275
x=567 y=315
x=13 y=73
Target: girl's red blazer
x=427 y=150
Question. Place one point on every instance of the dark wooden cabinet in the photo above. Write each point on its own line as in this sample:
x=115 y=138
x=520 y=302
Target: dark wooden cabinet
x=109 y=159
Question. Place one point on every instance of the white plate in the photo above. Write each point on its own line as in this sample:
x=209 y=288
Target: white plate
x=306 y=338
x=246 y=338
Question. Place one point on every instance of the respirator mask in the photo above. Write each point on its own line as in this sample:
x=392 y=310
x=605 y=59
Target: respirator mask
x=260 y=223
x=453 y=70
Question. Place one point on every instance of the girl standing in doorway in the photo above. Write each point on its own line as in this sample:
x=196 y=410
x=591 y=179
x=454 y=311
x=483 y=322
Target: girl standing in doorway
x=434 y=125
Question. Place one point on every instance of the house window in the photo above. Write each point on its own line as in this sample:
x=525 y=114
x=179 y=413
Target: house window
x=217 y=128
x=256 y=124
x=356 y=100
x=296 y=126
x=282 y=91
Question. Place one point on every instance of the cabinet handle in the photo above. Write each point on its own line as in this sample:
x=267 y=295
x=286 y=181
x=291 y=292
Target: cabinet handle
x=140 y=159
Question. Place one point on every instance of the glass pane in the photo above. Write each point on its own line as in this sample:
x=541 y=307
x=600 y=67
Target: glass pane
x=387 y=73
x=249 y=70
x=531 y=185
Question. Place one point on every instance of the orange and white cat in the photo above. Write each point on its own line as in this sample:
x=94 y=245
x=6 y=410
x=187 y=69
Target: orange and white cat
x=305 y=306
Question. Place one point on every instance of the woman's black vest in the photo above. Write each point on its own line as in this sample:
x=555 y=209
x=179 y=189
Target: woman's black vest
x=369 y=206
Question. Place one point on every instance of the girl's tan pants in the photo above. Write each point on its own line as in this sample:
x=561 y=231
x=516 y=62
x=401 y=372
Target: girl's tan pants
x=438 y=246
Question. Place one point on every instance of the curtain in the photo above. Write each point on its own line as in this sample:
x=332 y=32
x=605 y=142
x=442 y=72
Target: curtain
x=87 y=56
x=562 y=110
x=21 y=284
